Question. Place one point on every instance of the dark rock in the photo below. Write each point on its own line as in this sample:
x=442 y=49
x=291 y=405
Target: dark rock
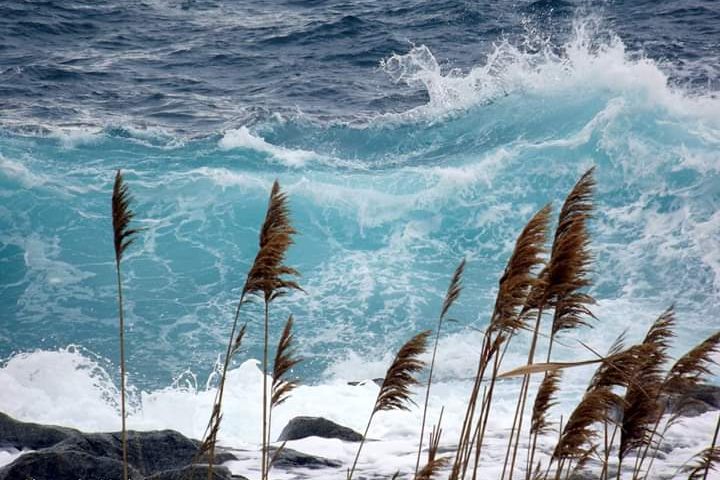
x=696 y=401
x=50 y=464
x=378 y=381
x=64 y=453
x=289 y=458
x=302 y=427
x=195 y=472
x=32 y=436
x=148 y=452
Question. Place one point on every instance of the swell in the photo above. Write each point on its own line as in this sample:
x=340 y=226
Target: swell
x=384 y=205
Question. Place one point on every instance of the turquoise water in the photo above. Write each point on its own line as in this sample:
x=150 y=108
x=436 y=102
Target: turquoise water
x=385 y=208
x=397 y=165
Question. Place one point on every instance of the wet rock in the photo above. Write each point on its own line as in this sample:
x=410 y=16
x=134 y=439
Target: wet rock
x=302 y=427
x=50 y=464
x=378 y=381
x=64 y=453
x=32 y=436
x=195 y=472
x=691 y=403
x=289 y=459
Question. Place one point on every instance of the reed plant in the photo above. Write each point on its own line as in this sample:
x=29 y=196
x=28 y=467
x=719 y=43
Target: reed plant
x=268 y=278
x=394 y=393
x=452 y=294
x=622 y=410
x=123 y=237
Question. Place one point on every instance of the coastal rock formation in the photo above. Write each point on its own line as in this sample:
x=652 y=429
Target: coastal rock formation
x=302 y=427
x=288 y=459
x=64 y=453
x=701 y=399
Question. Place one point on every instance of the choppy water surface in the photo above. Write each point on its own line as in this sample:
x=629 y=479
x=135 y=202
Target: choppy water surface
x=407 y=136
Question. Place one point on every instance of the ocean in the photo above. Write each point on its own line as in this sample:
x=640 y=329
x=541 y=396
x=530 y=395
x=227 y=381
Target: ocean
x=408 y=135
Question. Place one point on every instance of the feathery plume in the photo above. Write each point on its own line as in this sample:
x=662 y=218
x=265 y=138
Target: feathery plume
x=641 y=397
x=708 y=457
x=285 y=360
x=688 y=371
x=617 y=366
x=454 y=289
x=570 y=258
x=121 y=217
x=400 y=377
x=394 y=392
x=597 y=403
x=578 y=434
x=453 y=292
x=705 y=461
x=559 y=286
x=267 y=275
x=518 y=279
x=238 y=340
x=123 y=237
x=544 y=400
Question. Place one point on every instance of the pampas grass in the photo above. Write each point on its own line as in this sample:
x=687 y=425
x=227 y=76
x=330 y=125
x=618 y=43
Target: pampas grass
x=285 y=361
x=123 y=237
x=624 y=395
x=453 y=292
x=706 y=460
x=559 y=287
x=641 y=397
x=268 y=278
x=544 y=400
x=514 y=285
x=434 y=463
x=685 y=374
x=394 y=392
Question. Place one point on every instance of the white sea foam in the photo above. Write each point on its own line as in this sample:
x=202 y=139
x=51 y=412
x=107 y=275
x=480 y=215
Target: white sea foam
x=21 y=173
x=75 y=137
x=69 y=388
x=243 y=138
x=582 y=65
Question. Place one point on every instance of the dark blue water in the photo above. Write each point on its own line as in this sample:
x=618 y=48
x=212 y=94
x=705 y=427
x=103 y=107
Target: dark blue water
x=201 y=66
x=407 y=134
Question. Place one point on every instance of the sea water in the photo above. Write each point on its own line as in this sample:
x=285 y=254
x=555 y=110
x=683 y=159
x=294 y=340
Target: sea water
x=399 y=160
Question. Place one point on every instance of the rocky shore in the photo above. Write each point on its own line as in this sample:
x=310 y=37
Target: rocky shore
x=60 y=453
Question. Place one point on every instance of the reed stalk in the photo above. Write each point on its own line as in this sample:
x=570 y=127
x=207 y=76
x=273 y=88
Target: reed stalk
x=123 y=237
x=452 y=294
x=394 y=392
x=267 y=278
x=285 y=361
x=687 y=372
x=434 y=463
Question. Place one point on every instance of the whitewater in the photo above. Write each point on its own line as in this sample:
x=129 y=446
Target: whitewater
x=386 y=206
